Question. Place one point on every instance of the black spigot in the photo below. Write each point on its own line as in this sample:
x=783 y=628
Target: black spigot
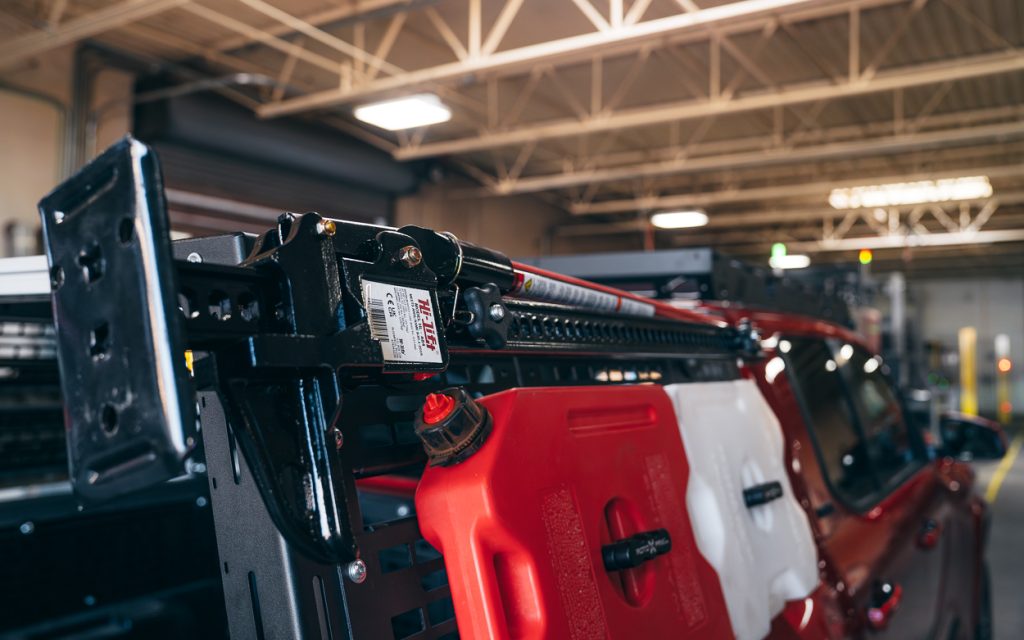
x=636 y=549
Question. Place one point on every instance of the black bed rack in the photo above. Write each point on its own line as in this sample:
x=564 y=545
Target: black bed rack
x=287 y=397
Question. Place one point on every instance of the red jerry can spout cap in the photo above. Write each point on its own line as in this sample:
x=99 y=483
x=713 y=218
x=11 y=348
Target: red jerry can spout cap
x=452 y=426
x=437 y=407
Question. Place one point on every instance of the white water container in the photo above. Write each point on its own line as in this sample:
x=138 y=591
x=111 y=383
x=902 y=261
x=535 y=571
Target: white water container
x=764 y=555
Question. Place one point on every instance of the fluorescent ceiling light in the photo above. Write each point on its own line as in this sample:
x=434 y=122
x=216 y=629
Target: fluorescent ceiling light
x=679 y=219
x=791 y=261
x=898 y=193
x=420 y=110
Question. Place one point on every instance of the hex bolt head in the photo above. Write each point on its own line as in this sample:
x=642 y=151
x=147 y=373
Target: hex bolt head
x=56 y=277
x=496 y=312
x=194 y=258
x=27 y=527
x=410 y=256
x=356 y=571
x=326 y=228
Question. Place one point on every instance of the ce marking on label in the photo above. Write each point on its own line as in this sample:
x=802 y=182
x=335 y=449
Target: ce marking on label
x=390 y=297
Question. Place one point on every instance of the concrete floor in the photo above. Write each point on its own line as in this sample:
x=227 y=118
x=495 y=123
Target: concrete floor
x=1006 y=547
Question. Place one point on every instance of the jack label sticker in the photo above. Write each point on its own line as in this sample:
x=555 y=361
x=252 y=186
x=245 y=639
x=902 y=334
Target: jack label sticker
x=402 y=319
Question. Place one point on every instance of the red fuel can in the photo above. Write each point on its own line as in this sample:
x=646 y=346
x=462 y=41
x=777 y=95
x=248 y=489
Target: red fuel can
x=535 y=524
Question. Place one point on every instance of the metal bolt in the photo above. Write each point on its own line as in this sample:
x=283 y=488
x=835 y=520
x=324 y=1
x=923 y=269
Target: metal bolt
x=339 y=438
x=27 y=527
x=356 y=571
x=56 y=277
x=194 y=257
x=326 y=228
x=201 y=502
x=497 y=312
x=403 y=510
x=410 y=256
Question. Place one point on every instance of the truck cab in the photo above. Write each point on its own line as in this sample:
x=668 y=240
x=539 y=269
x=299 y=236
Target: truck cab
x=900 y=534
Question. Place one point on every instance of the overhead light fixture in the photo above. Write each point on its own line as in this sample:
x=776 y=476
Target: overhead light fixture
x=679 y=219
x=790 y=261
x=420 y=110
x=900 y=193
x=782 y=259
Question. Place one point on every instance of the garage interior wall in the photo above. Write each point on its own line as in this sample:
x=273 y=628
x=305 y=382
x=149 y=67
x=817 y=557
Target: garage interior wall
x=34 y=100
x=30 y=153
x=993 y=306
x=36 y=105
x=517 y=226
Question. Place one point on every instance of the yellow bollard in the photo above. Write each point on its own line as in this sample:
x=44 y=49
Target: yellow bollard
x=968 y=342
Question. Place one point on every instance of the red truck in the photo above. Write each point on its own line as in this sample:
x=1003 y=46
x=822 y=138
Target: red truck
x=404 y=435
x=902 y=535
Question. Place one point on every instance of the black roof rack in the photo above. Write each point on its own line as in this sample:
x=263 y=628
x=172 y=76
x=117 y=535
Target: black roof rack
x=703 y=274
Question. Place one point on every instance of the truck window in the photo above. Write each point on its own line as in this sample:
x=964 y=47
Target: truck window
x=888 y=442
x=841 y=451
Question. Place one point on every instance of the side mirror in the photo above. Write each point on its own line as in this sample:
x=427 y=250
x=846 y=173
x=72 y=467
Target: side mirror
x=972 y=438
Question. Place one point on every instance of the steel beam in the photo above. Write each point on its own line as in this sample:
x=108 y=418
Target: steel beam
x=735 y=16
x=347 y=12
x=319 y=35
x=774 y=192
x=86 y=26
x=813 y=216
x=679 y=166
x=826 y=90
x=229 y=22
x=904 y=241
x=555 y=163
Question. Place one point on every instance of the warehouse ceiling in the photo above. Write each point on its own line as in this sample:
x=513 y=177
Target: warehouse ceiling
x=612 y=109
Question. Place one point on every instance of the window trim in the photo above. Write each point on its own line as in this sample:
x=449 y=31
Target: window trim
x=882 y=489
x=913 y=436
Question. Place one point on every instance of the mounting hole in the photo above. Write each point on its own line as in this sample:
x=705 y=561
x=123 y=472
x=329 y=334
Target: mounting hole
x=126 y=230
x=92 y=263
x=108 y=419
x=99 y=341
x=220 y=305
x=56 y=277
x=248 y=309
